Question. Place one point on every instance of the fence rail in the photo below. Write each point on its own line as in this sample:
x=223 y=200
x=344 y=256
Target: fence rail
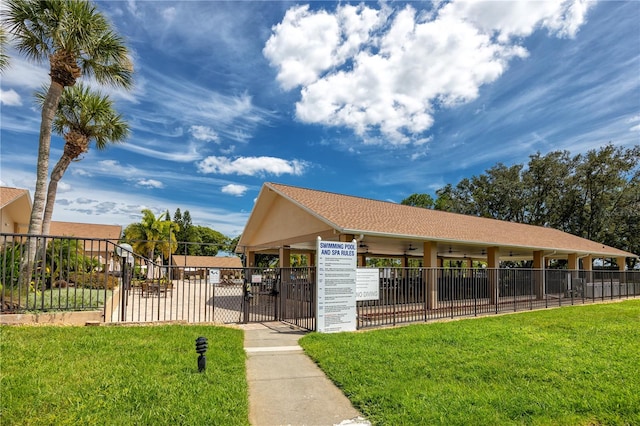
x=423 y=294
x=79 y=274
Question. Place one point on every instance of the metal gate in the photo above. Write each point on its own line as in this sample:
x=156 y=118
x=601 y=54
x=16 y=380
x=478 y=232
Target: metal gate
x=217 y=295
x=282 y=294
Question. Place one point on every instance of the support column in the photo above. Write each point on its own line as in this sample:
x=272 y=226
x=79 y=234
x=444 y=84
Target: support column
x=250 y=259
x=430 y=263
x=587 y=265
x=572 y=262
x=621 y=266
x=285 y=256
x=538 y=274
x=573 y=265
x=493 y=264
x=362 y=259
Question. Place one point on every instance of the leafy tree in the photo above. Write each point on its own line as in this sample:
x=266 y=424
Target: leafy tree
x=607 y=180
x=188 y=238
x=546 y=184
x=458 y=199
x=211 y=241
x=83 y=116
x=419 y=200
x=498 y=194
x=595 y=195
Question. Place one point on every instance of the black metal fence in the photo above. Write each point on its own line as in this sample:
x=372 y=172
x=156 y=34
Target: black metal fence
x=63 y=274
x=423 y=294
x=48 y=273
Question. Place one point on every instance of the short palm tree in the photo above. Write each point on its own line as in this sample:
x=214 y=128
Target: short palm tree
x=152 y=234
x=76 y=40
x=83 y=116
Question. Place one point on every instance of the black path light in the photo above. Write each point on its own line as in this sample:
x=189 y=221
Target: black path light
x=201 y=348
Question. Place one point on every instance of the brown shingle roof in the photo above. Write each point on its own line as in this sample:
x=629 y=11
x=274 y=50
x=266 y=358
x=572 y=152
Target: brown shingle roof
x=349 y=214
x=206 y=261
x=9 y=195
x=85 y=230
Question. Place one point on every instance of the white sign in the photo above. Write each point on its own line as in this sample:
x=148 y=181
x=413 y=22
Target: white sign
x=367 y=284
x=336 y=300
x=256 y=279
x=214 y=276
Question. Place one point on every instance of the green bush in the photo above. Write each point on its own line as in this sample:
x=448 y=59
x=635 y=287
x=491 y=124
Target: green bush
x=94 y=280
x=10 y=256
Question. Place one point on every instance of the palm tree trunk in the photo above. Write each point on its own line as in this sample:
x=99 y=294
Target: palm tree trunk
x=39 y=196
x=35 y=223
x=56 y=175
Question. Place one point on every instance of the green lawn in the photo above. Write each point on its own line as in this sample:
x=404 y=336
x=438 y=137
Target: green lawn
x=65 y=299
x=121 y=376
x=570 y=366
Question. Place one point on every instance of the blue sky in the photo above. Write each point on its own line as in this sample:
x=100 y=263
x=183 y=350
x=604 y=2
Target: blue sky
x=378 y=100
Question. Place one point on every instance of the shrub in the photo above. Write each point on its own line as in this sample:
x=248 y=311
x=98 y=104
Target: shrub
x=93 y=280
x=10 y=256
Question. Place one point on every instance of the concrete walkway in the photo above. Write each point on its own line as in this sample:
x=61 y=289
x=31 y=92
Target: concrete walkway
x=285 y=386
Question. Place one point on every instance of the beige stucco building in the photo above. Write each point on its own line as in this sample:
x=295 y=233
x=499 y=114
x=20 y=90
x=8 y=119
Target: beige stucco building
x=15 y=210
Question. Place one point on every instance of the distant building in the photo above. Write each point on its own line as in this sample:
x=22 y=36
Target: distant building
x=98 y=239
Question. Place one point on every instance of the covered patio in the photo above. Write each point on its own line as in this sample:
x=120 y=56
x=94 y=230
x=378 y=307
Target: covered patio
x=438 y=259
x=288 y=219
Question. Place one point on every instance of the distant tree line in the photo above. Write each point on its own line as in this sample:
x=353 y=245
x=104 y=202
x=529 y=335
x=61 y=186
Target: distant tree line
x=162 y=236
x=594 y=196
x=200 y=240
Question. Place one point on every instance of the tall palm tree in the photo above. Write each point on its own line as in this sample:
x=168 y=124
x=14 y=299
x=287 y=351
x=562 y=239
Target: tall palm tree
x=76 y=40
x=83 y=116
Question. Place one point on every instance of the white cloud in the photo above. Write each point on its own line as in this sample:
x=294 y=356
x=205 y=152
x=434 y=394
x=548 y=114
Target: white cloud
x=150 y=183
x=204 y=133
x=63 y=187
x=24 y=74
x=81 y=172
x=169 y=14
x=181 y=157
x=375 y=71
x=10 y=98
x=511 y=19
x=234 y=189
x=251 y=166
x=307 y=43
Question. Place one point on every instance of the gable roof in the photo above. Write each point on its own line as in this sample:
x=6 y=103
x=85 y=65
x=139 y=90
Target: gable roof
x=86 y=230
x=344 y=214
x=9 y=195
x=206 y=261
